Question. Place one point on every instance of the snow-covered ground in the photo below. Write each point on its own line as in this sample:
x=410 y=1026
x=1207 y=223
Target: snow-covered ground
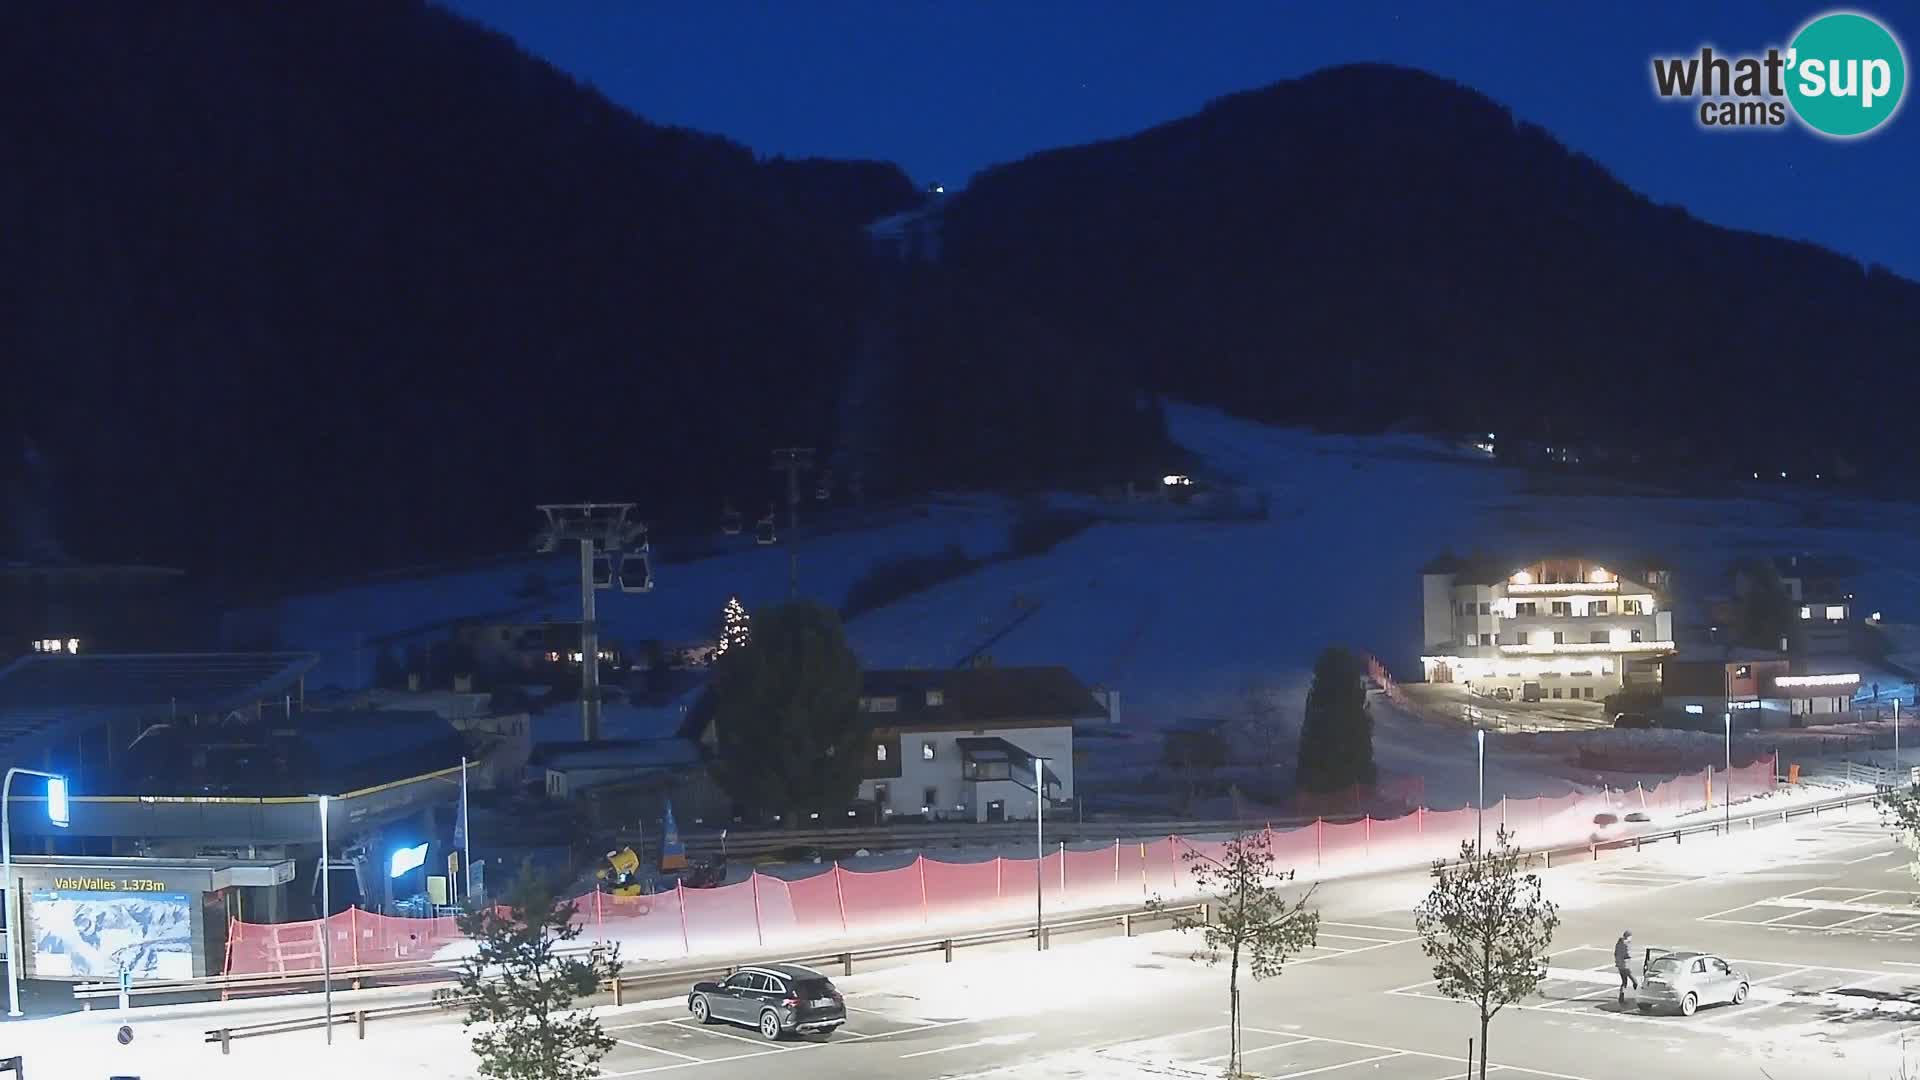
x=1183 y=616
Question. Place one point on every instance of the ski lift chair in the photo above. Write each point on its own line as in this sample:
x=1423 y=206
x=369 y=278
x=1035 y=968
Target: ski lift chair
x=763 y=531
x=730 y=521
x=603 y=570
x=636 y=569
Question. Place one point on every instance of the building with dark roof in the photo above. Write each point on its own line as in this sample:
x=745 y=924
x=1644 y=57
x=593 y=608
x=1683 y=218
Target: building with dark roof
x=964 y=744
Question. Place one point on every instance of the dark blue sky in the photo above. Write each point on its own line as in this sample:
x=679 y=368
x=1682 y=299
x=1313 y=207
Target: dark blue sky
x=945 y=89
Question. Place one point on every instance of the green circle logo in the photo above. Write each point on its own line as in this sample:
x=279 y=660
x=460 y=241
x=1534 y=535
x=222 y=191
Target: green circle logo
x=1846 y=74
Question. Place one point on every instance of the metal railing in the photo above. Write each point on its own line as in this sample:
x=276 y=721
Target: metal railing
x=1751 y=821
x=444 y=1000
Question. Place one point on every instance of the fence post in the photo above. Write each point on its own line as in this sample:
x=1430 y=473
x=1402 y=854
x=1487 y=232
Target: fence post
x=947 y=947
x=226 y=1040
x=1126 y=924
x=1173 y=863
x=353 y=927
x=599 y=920
x=616 y=990
x=1116 y=866
x=1319 y=840
x=846 y=963
x=680 y=894
x=996 y=878
x=920 y=868
x=759 y=931
x=1063 y=871
x=360 y=1023
x=1143 y=868
x=840 y=895
x=1368 y=842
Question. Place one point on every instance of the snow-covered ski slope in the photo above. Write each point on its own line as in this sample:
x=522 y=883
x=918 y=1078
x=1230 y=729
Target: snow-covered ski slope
x=1180 y=616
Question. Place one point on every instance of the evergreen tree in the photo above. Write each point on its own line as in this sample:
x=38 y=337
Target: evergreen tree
x=521 y=990
x=786 y=714
x=1765 y=612
x=734 y=627
x=1336 y=734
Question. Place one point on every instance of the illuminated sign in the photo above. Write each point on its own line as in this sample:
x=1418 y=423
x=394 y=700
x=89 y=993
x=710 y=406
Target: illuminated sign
x=1817 y=680
x=407 y=859
x=57 y=810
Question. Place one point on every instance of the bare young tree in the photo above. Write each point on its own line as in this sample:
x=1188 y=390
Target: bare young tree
x=1900 y=811
x=1486 y=926
x=1250 y=919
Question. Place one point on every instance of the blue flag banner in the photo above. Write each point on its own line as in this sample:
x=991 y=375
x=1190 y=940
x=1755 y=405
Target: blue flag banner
x=673 y=853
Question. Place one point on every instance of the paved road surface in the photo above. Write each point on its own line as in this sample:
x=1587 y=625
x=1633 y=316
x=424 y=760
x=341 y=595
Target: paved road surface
x=1819 y=912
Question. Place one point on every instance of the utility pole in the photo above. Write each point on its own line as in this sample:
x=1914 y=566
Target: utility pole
x=793 y=461
x=603 y=531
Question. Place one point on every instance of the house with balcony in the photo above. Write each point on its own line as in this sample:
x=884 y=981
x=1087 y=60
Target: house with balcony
x=1555 y=629
x=965 y=744
x=1707 y=684
x=1819 y=587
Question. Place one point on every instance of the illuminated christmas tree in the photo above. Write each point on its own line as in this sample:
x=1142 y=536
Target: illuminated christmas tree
x=733 y=626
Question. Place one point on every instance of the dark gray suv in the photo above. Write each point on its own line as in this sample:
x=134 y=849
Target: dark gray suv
x=775 y=998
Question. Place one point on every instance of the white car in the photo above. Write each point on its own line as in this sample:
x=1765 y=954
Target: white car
x=1684 y=981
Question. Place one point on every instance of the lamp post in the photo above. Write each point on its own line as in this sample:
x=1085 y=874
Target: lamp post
x=1726 y=788
x=466 y=837
x=326 y=920
x=1480 y=815
x=1896 y=734
x=56 y=813
x=1039 y=853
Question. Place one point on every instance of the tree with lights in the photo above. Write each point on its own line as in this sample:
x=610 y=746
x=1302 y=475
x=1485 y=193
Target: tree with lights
x=733 y=626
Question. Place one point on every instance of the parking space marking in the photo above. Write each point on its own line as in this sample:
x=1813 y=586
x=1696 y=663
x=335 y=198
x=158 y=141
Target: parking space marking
x=1357 y=937
x=1414 y=1053
x=711 y=1030
x=659 y=1050
x=1295 y=1041
x=1341 y=1065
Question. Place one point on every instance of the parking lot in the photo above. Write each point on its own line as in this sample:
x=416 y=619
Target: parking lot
x=1832 y=909
x=1849 y=1003
x=1281 y=1055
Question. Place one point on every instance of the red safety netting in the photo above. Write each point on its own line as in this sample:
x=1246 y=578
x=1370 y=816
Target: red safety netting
x=774 y=912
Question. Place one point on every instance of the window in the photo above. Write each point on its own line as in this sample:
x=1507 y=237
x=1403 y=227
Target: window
x=1630 y=607
x=1743 y=672
x=1487 y=608
x=936 y=698
x=1587 y=692
x=1556 y=691
x=1806 y=612
x=740 y=980
x=1634 y=635
x=1528 y=608
x=1559 y=638
x=1562 y=607
x=1597 y=607
x=930 y=798
x=882 y=704
x=926 y=750
x=880 y=752
x=1473 y=639
x=1834 y=613
x=1696 y=710
x=1597 y=637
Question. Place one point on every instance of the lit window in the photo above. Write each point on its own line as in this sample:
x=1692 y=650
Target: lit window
x=1629 y=607
x=1598 y=575
x=883 y=704
x=880 y=752
x=1806 y=613
x=1522 y=577
x=1833 y=612
x=1697 y=710
x=926 y=751
x=936 y=698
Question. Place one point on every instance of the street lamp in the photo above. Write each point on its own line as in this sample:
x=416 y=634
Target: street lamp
x=326 y=919
x=57 y=812
x=1039 y=853
x=1726 y=795
x=1480 y=815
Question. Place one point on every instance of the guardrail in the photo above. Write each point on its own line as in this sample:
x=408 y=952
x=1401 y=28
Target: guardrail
x=1752 y=822
x=897 y=837
x=444 y=1000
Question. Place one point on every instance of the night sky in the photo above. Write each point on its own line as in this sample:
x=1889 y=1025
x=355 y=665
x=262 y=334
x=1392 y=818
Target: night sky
x=945 y=89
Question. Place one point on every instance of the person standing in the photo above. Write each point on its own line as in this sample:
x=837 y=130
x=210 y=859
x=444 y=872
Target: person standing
x=1623 y=959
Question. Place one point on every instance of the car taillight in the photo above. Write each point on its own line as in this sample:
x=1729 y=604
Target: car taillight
x=791 y=1003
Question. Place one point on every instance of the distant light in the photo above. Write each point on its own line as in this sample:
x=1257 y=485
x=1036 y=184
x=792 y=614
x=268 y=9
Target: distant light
x=406 y=859
x=1522 y=577
x=1783 y=476
x=58 y=811
x=73 y=645
x=1756 y=476
x=1697 y=710
x=1598 y=575
x=1816 y=476
x=939 y=189
x=1175 y=479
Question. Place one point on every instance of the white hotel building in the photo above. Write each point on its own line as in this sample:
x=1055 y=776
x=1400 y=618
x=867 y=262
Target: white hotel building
x=1555 y=629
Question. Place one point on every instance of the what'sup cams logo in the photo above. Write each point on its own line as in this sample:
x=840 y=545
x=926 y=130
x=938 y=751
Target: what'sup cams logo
x=1843 y=75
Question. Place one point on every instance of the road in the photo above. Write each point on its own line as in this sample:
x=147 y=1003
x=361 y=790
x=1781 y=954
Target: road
x=1818 y=912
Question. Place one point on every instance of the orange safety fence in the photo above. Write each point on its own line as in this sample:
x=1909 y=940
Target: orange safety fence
x=839 y=903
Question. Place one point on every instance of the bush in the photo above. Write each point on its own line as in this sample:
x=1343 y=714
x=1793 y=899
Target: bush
x=887 y=580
